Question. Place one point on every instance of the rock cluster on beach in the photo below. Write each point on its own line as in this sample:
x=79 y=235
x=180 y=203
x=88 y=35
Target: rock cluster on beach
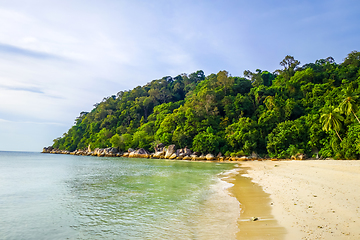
x=161 y=152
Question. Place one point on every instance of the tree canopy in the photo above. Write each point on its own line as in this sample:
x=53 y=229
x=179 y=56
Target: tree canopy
x=308 y=109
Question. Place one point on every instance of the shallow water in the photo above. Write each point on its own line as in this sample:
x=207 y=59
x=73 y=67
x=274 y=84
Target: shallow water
x=46 y=196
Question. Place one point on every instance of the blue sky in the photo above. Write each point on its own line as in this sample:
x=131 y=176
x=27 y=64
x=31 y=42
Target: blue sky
x=58 y=58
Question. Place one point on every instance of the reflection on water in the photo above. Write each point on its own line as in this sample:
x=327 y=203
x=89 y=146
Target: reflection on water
x=61 y=196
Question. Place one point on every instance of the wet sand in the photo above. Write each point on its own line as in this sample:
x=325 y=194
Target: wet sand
x=255 y=220
x=310 y=199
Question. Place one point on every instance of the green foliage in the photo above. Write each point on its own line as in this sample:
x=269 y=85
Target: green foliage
x=243 y=136
x=289 y=138
x=206 y=142
x=307 y=109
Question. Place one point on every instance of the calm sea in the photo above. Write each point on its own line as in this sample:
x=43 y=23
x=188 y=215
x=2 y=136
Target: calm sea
x=47 y=196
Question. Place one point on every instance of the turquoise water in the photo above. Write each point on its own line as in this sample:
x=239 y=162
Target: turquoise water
x=46 y=196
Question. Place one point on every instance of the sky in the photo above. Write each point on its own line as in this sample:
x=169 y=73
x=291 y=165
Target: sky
x=59 y=58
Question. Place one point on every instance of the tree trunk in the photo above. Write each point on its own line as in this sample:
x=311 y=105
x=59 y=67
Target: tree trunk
x=355 y=116
x=338 y=135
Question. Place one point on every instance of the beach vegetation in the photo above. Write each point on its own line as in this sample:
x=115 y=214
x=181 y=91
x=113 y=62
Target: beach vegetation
x=309 y=109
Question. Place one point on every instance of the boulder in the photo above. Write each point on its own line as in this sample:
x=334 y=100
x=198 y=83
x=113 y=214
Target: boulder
x=209 y=156
x=159 y=154
x=130 y=150
x=197 y=154
x=47 y=149
x=113 y=150
x=142 y=151
x=219 y=155
x=187 y=151
x=159 y=147
x=202 y=157
x=187 y=158
x=173 y=156
x=254 y=155
x=170 y=150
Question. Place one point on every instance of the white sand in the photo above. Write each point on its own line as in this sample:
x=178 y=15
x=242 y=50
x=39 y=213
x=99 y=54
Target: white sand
x=312 y=199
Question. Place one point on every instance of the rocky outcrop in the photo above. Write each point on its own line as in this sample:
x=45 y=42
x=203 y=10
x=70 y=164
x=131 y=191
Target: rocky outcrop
x=184 y=152
x=173 y=156
x=139 y=153
x=159 y=147
x=298 y=156
x=209 y=157
x=47 y=149
x=160 y=152
x=170 y=151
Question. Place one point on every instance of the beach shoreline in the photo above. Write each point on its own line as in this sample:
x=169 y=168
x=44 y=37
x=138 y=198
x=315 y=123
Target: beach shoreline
x=255 y=220
x=311 y=199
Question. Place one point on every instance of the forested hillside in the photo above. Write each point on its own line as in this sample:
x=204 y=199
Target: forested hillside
x=298 y=109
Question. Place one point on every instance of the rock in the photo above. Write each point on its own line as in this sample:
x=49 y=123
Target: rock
x=126 y=154
x=130 y=150
x=209 y=156
x=114 y=150
x=159 y=154
x=141 y=151
x=298 y=156
x=254 y=219
x=89 y=148
x=187 y=158
x=159 y=147
x=187 y=151
x=301 y=156
x=201 y=157
x=170 y=150
x=254 y=155
x=173 y=156
x=47 y=149
x=197 y=154
x=219 y=155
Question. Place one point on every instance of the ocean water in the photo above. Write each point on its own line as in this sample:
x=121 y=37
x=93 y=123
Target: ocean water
x=47 y=196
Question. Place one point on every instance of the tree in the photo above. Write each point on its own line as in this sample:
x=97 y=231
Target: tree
x=290 y=64
x=349 y=105
x=331 y=120
x=224 y=80
x=206 y=142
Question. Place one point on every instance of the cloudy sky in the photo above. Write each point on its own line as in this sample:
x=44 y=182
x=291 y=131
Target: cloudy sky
x=58 y=58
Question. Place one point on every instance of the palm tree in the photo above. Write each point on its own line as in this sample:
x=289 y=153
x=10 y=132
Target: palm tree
x=331 y=119
x=348 y=105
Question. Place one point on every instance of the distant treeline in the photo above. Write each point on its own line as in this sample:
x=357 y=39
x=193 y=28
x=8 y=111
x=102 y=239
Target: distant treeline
x=309 y=109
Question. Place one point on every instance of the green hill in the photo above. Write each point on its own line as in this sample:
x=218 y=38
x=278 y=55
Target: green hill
x=309 y=109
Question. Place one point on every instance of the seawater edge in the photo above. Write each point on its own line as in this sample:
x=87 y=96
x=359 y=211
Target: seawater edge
x=133 y=198
x=250 y=197
x=256 y=220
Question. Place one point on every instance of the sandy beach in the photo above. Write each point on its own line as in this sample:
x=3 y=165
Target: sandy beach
x=312 y=199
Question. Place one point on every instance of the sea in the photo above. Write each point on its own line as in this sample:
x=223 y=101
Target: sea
x=51 y=196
